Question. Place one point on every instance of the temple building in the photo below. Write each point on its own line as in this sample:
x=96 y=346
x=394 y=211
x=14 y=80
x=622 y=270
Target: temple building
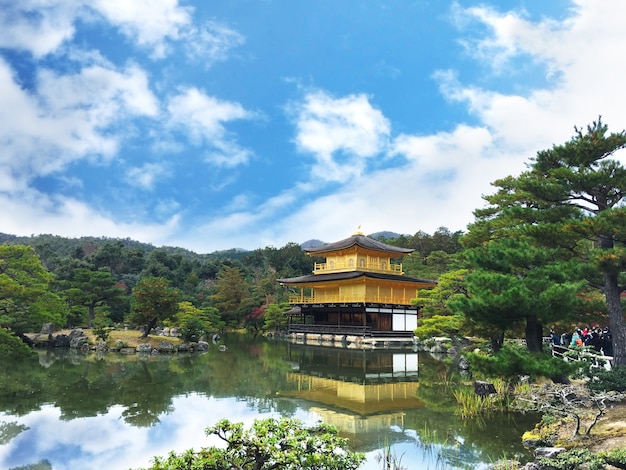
x=359 y=289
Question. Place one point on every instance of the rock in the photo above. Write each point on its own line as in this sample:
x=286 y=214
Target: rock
x=464 y=364
x=484 y=388
x=531 y=466
x=127 y=350
x=77 y=342
x=47 y=328
x=144 y=348
x=184 y=347
x=548 y=452
x=439 y=348
x=165 y=347
x=61 y=341
x=202 y=346
x=101 y=346
x=175 y=332
x=76 y=333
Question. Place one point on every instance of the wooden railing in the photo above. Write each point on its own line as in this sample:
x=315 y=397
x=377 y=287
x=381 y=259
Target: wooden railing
x=340 y=299
x=594 y=360
x=325 y=268
x=331 y=329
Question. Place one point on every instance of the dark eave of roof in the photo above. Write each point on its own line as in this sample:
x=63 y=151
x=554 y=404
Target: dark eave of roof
x=359 y=240
x=352 y=275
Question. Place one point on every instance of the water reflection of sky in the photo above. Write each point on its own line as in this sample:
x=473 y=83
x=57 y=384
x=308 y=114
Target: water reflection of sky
x=107 y=441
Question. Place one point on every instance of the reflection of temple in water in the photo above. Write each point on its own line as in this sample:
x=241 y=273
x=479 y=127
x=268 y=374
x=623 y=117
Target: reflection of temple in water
x=363 y=393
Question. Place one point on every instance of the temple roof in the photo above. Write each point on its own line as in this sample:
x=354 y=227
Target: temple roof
x=341 y=276
x=363 y=242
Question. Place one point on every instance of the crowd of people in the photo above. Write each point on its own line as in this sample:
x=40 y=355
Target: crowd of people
x=598 y=338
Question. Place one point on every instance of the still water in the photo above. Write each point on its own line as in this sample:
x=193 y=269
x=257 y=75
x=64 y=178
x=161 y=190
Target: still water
x=67 y=411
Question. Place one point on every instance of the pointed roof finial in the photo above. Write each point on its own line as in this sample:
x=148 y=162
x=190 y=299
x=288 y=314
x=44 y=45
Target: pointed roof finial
x=358 y=231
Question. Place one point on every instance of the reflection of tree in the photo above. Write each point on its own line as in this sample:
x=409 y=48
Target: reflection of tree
x=9 y=430
x=255 y=371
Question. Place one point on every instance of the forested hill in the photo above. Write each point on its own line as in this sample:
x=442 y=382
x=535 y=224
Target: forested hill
x=64 y=246
x=98 y=275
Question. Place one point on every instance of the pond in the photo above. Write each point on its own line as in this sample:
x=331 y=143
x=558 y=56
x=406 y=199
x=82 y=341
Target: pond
x=65 y=411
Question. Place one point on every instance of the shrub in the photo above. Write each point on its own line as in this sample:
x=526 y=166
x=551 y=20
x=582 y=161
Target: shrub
x=12 y=346
x=615 y=457
x=269 y=443
x=438 y=325
x=609 y=380
x=512 y=362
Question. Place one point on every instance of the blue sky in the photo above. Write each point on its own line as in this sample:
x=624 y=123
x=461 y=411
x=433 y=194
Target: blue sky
x=240 y=123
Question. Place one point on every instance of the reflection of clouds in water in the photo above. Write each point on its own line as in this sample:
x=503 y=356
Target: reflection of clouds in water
x=107 y=441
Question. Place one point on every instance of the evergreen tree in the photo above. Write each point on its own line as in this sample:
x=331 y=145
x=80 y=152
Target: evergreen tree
x=153 y=300
x=26 y=301
x=571 y=199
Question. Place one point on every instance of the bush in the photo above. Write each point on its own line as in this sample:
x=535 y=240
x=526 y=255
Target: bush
x=615 y=457
x=576 y=458
x=438 y=325
x=269 y=443
x=12 y=346
x=512 y=362
x=609 y=380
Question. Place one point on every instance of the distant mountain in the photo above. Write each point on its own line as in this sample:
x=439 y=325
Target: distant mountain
x=314 y=243
x=386 y=235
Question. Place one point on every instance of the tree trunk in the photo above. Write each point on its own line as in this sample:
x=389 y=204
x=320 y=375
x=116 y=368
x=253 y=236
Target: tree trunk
x=497 y=340
x=149 y=328
x=534 y=334
x=616 y=318
x=92 y=315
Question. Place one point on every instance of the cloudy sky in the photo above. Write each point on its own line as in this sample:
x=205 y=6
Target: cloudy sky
x=250 y=123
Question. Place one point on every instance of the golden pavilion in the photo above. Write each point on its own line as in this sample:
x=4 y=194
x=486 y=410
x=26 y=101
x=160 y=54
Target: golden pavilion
x=359 y=289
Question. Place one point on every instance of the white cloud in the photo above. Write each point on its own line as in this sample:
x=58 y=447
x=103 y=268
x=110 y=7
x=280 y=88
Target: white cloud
x=65 y=118
x=145 y=176
x=210 y=42
x=148 y=22
x=29 y=211
x=37 y=26
x=340 y=132
x=41 y=27
x=203 y=118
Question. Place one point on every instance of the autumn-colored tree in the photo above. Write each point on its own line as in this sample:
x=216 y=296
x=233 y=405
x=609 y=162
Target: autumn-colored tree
x=153 y=300
x=231 y=296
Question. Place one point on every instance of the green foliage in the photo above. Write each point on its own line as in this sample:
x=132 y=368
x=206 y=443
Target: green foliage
x=609 y=380
x=231 y=296
x=615 y=457
x=26 y=301
x=573 y=459
x=102 y=326
x=439 y=325
x=11 y=346
x=274 y=319
x=511 y=362
x=569 y=201
x=268 y=444
x=195 y=322
x=153 y=300
x=91 y=289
